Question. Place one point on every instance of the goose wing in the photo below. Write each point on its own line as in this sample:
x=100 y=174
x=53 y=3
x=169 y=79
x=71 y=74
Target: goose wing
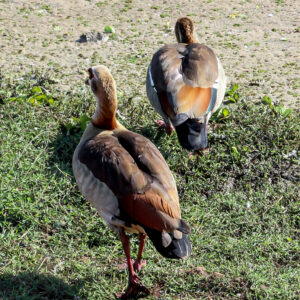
x=183 y=76
x=135 y=171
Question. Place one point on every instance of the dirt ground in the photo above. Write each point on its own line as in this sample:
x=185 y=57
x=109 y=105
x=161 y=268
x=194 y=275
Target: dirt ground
x=257 y=41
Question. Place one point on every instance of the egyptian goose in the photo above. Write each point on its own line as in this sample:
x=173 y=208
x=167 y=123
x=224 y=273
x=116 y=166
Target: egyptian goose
x=126 y=178
x=186 y=84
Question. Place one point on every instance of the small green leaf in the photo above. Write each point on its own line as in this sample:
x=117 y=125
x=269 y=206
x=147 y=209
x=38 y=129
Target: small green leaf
x=33 y=101
x=225 y=112
x=109 y=29
x=234 y=96
x=235 y=87
x=235 y=150
x=51 y=101
x=41 y=98
x=287 y=112
x=266 y=100
x=279 y=109
x=163 y=15
x=36 y=90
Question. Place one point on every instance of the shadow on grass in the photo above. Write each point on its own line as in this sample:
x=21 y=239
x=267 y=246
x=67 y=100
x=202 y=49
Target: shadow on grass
x=62 y=148
x=32 y=286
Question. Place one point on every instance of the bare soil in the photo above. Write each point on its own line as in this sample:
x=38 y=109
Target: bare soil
x=257 y=41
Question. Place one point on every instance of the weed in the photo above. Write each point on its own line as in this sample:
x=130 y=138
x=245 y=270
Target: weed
x=233 y=94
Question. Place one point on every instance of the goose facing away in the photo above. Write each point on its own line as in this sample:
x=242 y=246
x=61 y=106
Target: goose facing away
x=186 y=84
x=127 y=180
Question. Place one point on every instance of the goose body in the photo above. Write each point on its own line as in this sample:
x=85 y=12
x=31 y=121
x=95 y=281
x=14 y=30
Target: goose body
x=186 y=84
x=127 y=180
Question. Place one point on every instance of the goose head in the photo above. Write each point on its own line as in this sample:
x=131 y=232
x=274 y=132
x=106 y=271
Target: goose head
x=104 y=88
x=184 y=31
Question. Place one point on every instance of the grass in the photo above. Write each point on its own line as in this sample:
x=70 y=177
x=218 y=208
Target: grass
x=241 y=201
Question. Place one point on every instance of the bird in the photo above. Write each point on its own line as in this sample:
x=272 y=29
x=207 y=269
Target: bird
x=186 y=84
x=125 y=177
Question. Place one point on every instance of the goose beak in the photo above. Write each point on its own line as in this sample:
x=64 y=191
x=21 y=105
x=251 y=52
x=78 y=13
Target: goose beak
x=91 y=76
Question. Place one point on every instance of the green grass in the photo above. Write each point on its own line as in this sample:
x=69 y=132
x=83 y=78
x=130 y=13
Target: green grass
x=241 y=201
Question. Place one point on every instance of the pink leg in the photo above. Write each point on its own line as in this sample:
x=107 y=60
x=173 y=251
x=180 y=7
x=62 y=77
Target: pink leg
x=139 y=263
x=167 y=126
x=135 y=287
x=126 y=246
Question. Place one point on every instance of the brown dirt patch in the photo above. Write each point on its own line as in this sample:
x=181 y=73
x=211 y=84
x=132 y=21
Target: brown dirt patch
x=257 y=41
